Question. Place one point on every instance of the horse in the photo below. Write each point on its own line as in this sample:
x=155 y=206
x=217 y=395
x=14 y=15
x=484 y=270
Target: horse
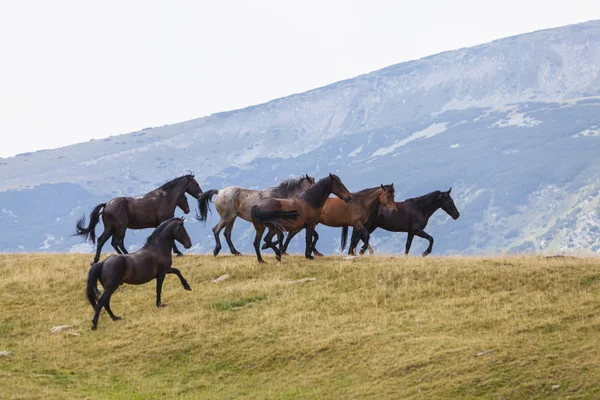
x=412 y=217
x=235 y=201
x=150 y=262
x=336 y=213
x=147 y=211
x=295 y=213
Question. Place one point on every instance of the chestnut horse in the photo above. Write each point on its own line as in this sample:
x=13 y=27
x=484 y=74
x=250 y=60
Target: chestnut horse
x=147 y=211
x=412 y=217
x=235 y=201
x=296 y=213
x=150 y=262
x=336 y=213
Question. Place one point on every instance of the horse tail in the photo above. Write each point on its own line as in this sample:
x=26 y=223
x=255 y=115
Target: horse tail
x=344 y=237
x=89 y=232
x=203 y=201
x=273 y=217
x=91 y=290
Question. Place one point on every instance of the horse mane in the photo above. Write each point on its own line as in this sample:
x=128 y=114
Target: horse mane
x=288 y=186
x=316 y=192
x=369 y=190
x=150 y=239
x=425 y=200
x=173 y=182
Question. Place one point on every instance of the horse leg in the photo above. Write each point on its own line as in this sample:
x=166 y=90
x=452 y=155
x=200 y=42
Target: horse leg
x=421 y=233
x=409 y=240
x=160 y=278
x=314 y=242
x=308 y=249
x=228 y=230
x=353 y=243
x=260 y=229
x=101 y=240
x=289 y=238
x=280 y=241
x=176 y=250
x=366 y=246
x=184 y=283
x=216 y=232
x=268 y=244
x=104 y=301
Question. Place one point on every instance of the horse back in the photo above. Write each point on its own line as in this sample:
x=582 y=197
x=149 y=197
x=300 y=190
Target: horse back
x=396 y=222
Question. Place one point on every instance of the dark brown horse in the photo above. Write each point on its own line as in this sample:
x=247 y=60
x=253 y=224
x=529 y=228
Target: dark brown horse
x=147 y=211
x=296 y=213
x=337 y=213
x=412 y=217
x=234 y=201
x=150 y=262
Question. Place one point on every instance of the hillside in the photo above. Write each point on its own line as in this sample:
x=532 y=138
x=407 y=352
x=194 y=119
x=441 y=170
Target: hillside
x=379 y=327
x=512 y=125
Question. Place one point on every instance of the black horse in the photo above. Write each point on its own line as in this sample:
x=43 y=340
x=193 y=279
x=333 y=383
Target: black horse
x=412 y=217
x=151 y=261
x=147 y=211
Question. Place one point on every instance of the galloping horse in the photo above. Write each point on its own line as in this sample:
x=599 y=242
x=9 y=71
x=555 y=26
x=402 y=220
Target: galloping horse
x=151 y=261
x=147 y=211
x=234 y=201
x=336 y=213
x=296 y=213
x=412 y=217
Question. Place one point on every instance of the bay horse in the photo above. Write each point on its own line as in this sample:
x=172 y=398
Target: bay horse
x=147 y=211
x=412 y=217
x=235 y=201
x=336 y=213
x=153 y=261
x=295 y=213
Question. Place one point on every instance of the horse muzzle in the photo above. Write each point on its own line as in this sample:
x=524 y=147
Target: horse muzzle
x=455 y=216
x=347 y=199
x=187 y=244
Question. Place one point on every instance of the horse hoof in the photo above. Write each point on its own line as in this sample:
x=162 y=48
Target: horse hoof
x=187 y=287
x=161 y=305
x=264 y=246
x=361 y=252
x=318 y=254
x=310 y=257
x=237 y=253
x=425 y=254
x=116 y=319
x=178 y=254
x=285 y=253
x=278 y=258
x=261 y=262
x=216 y=252
x=94 y=327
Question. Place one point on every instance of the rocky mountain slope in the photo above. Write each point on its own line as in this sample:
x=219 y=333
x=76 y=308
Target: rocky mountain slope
x=512 y=125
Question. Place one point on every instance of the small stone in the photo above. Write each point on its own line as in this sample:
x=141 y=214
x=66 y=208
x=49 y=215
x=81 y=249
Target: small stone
x=554 y=387
x=483 y=353
x=5 y=353
x=303 y=280
x=220 y=278
x=60 y=328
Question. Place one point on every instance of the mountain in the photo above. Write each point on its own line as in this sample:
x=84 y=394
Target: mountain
x=512 y=125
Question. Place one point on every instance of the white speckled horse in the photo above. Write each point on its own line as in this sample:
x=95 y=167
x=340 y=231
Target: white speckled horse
x=235 y=201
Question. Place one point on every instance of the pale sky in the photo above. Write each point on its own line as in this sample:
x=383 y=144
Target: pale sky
x=71 y=71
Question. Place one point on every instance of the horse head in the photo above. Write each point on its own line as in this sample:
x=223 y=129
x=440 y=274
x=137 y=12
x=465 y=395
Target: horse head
x=339 y=189
x=447 y=204
x=180 y=234
x=386 y=197
x=192 y=188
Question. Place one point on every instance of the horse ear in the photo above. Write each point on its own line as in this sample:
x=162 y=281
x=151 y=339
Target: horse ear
x=449 y=190
x=331 y=176
x=181 y=220
x=382 y=186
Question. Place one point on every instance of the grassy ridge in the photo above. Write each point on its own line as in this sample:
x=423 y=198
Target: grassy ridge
x=377 y=327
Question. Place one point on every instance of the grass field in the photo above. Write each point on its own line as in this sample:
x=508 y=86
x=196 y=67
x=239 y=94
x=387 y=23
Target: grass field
x=374 y=327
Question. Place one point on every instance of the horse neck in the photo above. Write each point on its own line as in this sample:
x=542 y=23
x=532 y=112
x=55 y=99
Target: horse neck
x=429 y=208
x=317 y=194
x=282 y=192
x=164 y=240
x=369 y=198
x=173 y=193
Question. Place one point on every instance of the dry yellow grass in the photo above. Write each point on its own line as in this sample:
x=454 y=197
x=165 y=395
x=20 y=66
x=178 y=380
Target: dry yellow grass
x=378 y=327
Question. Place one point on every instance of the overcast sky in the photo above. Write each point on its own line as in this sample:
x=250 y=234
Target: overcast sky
x=75 y=70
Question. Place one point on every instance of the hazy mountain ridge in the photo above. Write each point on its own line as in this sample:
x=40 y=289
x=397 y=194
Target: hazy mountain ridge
x=512 y=125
